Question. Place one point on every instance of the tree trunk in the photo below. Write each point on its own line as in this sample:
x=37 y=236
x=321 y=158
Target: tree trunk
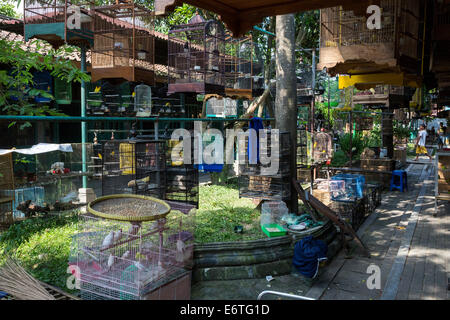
x=286 y=97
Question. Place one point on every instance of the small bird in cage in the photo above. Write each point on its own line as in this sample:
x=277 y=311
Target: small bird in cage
x=111 y=260
x=118 y=235
x=134 y=229
x=108 y=241
x=126 y=255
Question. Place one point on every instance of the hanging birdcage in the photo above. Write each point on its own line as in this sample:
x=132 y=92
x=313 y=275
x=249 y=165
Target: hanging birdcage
x=42 y=80
x=124 y=43
x=143 y=100
x=196 y=57
x=63 y=91
x=59 y=21
x=348 y=35
x=243 y=72
x=221 y=108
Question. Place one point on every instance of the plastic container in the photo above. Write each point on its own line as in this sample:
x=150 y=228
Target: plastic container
x=272 y=212
x=273 y=230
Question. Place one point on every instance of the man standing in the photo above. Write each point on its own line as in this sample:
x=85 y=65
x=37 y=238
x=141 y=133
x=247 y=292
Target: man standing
x=420 y=143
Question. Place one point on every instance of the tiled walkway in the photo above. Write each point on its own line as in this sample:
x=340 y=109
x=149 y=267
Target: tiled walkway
x=408 y=245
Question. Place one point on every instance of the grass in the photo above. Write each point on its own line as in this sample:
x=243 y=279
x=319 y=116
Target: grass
x=220 y=211
x=42 y=244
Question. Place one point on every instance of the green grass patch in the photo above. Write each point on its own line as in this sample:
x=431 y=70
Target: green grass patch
x=220 y=210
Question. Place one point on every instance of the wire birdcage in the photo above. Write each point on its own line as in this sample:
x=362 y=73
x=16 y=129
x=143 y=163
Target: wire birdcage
x=124 y=43
x=60 y=21
x=182 y=178
x=143 y=99
x=266 y=181
x=140 y=261
x=196 y=57
x=243 y=70
x=346 y=26
x=134 y=167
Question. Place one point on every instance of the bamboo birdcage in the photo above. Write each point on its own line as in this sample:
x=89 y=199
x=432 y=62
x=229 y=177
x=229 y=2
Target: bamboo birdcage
x=59 y=21
x=196 y=57
x=124 y=43
x=348 y=46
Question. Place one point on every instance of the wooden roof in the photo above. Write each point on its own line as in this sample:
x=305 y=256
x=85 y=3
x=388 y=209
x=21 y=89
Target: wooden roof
x=240 y=16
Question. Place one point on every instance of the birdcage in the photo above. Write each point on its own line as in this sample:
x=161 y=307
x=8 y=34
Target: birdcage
x=304 y=83
x=63 y=91
x=348 y=35
x=59 y=21
x=302 y=146
x=143 y=100
x=134 y=167
x=42 y=80
x=6 y=183
x=268 y=177
x=239 y=73
x=94 y=99
x=128 y=260
x=364 y=123
x=196 y=57
x=182 y=177
x=221 y=108
x=124 y=43
x=384 y=95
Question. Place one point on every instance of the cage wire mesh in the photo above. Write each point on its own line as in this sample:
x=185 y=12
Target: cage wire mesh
x=59 y=12
x=134 y=166
x=182 y=184
x=147 y=260
x=123 y=43
x=265 y=181
x=196 y=57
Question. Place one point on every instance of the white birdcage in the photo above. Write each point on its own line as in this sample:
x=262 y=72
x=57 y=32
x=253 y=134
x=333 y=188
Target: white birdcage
x=148 y=261
x=143 y=99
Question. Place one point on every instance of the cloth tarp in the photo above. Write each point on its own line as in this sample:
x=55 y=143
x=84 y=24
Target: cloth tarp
x=40 y=148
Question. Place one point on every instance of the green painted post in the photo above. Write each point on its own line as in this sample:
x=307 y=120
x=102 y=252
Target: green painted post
x=83 y=114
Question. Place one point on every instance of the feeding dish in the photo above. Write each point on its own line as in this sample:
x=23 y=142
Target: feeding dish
x=129 y=207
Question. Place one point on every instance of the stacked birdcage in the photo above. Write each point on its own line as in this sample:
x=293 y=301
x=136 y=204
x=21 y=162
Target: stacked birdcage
x=182 y=176
x=59 y=21
x=196 y=57
x=134 y=166
x=124 y=43
x=302 y=146
x=265 y=170
x=122 y=260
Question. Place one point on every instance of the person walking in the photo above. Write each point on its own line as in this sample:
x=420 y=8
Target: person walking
x=420 y=143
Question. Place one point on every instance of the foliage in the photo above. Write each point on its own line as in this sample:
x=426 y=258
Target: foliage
x=42 y=246
x=357 y=143
x=16 y=83
x=374 y=137
x=7 y=8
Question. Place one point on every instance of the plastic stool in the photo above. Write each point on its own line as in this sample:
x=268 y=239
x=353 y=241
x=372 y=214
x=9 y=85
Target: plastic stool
x=399 y=180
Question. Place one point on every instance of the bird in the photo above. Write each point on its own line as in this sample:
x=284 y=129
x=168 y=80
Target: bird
x=118 y=235
x=126 y=255
x=133 y=183
x=134 y=229
x=108 y=241
x=110 y=261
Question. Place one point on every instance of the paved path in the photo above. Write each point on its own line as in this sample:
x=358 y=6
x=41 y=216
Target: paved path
x=408 y=245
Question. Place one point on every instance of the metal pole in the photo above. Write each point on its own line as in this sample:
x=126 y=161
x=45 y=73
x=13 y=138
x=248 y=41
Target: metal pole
x=83 y=114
